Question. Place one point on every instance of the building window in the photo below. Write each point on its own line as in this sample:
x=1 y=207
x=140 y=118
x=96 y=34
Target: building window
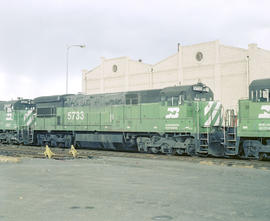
x=114 y=68
x=199 y=56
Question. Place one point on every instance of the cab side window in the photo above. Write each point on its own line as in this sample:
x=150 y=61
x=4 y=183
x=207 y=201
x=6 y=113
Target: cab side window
x=261 y=95
x=265 y=95
x=163 y=100
x=252 y=95
x=132 y=99
x=172 y=101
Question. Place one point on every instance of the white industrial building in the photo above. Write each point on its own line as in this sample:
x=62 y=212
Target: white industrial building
x=227 y=70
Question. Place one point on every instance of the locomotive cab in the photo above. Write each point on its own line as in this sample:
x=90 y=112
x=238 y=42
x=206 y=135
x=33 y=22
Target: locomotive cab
x=254 y=121
x=191 y=111
x=16 y=120
x=259 y=90
x=202 y=93
x=179 y=94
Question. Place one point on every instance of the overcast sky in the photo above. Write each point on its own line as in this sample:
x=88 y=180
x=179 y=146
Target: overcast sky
x=34 y=35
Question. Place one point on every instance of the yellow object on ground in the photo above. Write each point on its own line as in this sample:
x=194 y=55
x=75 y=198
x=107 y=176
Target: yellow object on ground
x=209 y=163
x=73 y=151
x=48 y=153
x=5 y=159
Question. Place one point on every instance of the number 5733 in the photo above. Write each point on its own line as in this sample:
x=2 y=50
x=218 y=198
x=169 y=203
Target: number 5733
x=75 y=115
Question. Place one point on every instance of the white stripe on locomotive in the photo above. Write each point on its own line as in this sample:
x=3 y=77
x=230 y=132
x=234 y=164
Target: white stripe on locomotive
x=213 y=115
x=208 y=107
x=27 y=114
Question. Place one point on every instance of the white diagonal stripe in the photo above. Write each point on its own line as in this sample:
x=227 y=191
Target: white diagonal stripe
x=30 y=121
x=208 y=107
x=212 y=116
x=207 y=123
x=217 y=121
x=214 y=113
x=27 y=114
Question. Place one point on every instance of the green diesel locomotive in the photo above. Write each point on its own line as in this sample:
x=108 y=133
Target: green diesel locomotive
x=251 y=137
x=17 y=121
x=179 y=120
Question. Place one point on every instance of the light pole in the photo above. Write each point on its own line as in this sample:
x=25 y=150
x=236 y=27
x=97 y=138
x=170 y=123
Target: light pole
x=68 y=47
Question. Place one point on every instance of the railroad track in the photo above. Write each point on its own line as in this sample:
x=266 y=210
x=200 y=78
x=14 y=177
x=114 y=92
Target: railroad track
x=63 y=154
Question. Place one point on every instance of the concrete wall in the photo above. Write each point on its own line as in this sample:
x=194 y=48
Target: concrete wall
x=164 y=73
x=233 y=72
x=259 y=62
x=227 y=70
x=129 y=75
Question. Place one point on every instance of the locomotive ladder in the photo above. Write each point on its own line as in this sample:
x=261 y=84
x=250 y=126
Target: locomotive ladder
x=203 y=137
x=229 y=141
x=26 y=135
x=204 y=142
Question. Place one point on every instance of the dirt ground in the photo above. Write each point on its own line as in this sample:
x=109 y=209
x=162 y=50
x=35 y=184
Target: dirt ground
x=118 y=188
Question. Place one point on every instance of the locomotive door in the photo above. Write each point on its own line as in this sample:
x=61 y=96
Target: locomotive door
x=132 y=117
x=132 y=111
x=117 y=117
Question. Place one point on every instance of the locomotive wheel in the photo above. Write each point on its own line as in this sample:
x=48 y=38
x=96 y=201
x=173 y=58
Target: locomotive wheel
x=250 y=152
x=180 y=151
x=153 y=150
x=190 y=150
x=141 y=147
x=246 y=152
x=165 y=148
x=262 y=156
x=252 y=149
x=174 y=152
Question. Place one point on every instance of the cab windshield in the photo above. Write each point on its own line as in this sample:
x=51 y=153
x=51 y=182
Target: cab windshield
x=262 y=95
